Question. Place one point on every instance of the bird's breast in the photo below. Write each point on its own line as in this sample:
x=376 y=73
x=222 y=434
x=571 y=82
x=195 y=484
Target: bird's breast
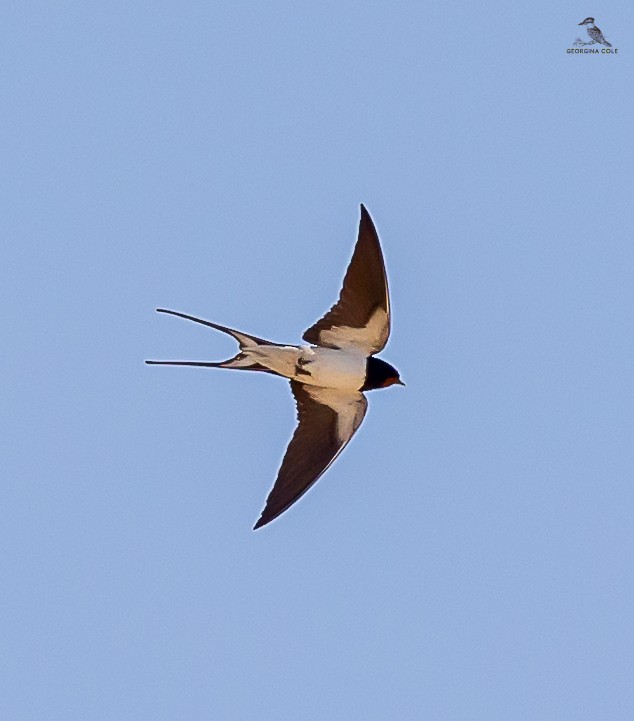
x=331 y=368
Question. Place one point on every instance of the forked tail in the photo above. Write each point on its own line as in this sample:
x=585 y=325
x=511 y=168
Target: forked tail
x=241 y=360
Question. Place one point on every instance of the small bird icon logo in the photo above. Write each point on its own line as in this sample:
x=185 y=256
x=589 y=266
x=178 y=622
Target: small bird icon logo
x=596 y=36
x=328 y=376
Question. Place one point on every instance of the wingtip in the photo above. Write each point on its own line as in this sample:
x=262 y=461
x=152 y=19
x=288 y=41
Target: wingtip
x=265 y=519
x=366 y=218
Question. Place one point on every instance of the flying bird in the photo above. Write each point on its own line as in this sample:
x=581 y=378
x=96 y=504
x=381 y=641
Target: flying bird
x=328 y=376
x=596 y=36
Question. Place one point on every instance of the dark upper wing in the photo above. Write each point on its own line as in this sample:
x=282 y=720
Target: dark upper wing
x=361 y=316
x=327 y=420
x=597 y=35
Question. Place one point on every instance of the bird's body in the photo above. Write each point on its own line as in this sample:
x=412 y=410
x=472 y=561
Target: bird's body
x=315 y=366
x=329 y=375
x=596 y=36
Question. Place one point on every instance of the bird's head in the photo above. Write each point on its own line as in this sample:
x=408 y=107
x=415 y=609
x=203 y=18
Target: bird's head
x=587 y=21
x=379 y=374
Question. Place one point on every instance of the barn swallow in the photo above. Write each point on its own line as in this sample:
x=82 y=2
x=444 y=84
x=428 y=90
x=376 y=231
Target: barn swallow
x=329 y=376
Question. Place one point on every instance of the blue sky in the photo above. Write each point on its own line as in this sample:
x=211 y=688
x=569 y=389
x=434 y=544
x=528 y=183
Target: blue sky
x=469 y=557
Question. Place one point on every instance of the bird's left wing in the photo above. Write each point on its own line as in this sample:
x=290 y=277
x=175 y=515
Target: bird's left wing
x=327 y=420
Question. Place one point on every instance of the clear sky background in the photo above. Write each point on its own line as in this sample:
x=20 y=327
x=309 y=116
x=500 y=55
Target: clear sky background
x=470 y=556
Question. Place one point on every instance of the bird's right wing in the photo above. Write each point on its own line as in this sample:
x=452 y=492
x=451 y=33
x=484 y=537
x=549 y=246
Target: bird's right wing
x=327 y=420
x=597 y=35
x=360 y=319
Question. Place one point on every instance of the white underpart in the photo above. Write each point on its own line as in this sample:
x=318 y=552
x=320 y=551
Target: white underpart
x=324 y=367
x=331 y=368
x=281 y=359
x=369 y=339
